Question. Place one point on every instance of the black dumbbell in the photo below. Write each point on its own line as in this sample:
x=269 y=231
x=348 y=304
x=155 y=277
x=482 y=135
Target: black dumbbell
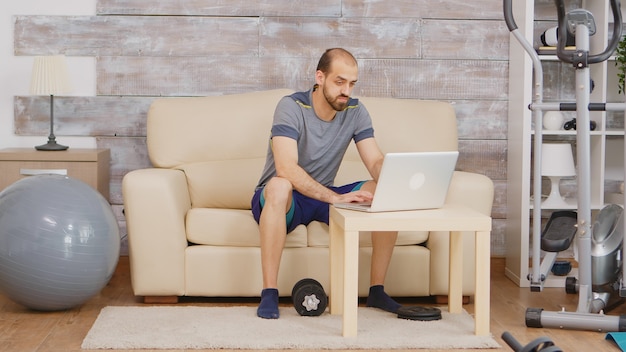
x=309 y=298
x=571 y=124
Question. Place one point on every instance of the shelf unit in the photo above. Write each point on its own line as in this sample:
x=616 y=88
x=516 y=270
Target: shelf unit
x=606 y=141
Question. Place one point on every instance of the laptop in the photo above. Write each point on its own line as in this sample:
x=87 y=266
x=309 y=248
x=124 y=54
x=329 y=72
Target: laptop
x=410 y=181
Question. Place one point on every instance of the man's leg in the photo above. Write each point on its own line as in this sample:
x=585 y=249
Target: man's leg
x=382 y=249
x=383 y=244
x=273 y=228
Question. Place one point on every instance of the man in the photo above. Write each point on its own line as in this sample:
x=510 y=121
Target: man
x=310 y=134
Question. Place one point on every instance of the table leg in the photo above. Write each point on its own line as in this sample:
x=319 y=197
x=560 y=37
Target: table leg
x=482 y=294
x=336 y=249
x=350 y=283
x=455 y=276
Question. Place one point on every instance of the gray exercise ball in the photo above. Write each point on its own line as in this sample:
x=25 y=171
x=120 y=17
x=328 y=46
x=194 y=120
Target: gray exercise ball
x=59 y=242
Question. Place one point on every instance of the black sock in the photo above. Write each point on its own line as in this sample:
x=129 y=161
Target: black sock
x=268 y=308
x=379 y=299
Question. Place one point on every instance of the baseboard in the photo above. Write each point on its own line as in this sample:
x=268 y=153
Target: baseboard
x=443 y=299
x=160 y=299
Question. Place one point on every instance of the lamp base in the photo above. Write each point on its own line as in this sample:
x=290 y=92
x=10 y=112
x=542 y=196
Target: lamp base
x=555 y=200
x=51 y=145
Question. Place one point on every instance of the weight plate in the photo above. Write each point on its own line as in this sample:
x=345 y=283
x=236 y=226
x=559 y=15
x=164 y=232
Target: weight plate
x=419 y=313
x=302 y=283
x=309 y=298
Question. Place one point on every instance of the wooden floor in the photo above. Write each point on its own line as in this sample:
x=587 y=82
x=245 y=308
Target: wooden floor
x=25 y=330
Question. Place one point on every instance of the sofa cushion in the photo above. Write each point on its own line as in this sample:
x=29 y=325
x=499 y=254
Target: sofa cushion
x=231 y=227
x=318 y=236
x=225 y=184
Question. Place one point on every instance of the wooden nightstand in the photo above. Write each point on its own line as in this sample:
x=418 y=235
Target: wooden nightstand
x=88 y=165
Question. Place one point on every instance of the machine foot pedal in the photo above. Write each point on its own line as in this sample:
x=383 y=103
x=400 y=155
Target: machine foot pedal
x=559 y=232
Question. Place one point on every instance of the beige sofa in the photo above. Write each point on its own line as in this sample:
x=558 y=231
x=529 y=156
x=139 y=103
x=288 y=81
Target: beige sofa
x=190 y=230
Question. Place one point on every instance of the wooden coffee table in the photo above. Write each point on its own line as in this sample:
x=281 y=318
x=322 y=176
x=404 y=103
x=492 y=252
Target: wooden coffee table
x=345 y=226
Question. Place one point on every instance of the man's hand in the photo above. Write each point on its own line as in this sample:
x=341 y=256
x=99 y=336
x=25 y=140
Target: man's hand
x=359 y=196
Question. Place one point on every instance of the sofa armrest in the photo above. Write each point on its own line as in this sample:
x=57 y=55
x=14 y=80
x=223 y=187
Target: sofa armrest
x=475 y=191
x=155 y=204
x=472 y=190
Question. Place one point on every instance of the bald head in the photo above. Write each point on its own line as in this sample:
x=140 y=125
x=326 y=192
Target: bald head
x=332 y=55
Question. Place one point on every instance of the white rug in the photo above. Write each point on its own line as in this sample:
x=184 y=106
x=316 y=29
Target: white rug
x=188 y=327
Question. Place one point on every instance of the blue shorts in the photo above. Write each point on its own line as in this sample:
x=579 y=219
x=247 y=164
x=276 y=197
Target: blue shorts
x=303 y=209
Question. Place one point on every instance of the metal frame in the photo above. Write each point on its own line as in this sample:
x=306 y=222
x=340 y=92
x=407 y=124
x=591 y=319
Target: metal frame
x=583 y=318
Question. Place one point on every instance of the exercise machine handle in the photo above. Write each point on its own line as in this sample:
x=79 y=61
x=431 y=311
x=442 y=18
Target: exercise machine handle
x=511 y=341
x=561 y=53
x=592 y=59
x=541 y=344
x=508 y=15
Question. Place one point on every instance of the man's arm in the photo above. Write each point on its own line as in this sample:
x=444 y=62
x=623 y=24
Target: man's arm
x=371 y=156
x=285 y=151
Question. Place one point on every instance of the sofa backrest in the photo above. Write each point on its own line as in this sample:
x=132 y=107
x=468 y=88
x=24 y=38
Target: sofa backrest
x=220 y=142
x=195 y=129
x=404 y=125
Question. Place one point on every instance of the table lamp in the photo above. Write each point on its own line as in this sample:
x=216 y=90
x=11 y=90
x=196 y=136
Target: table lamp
x=50 y=77
x=557 y=161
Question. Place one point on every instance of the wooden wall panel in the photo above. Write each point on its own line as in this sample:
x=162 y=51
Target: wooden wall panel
x=452 y=9
x=481 y=119
x=499 y=199
x=435 y=79
x=214 y=36
x=402 y=78
x=498 y=242
x=282 y=36
x=181 y=76
x=458 y=9
x=82 y=116
x=220 y=7
x=307 y=37
x=465 y=39
x=487 y=157
x=136 y=36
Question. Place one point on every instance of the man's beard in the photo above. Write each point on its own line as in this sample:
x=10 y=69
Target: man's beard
x=336 y=105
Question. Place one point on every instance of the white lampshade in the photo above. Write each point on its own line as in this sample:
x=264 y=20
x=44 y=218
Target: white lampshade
x=50 y=76
x=556 y=161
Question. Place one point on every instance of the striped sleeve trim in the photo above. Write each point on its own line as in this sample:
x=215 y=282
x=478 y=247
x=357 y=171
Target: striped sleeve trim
x=284 y=131
x=365 y=134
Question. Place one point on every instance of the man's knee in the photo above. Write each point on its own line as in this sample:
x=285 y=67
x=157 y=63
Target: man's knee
x=278 y=189
x=369 y=186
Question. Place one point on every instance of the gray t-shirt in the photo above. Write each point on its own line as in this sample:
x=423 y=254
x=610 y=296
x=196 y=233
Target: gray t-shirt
x=321 y=144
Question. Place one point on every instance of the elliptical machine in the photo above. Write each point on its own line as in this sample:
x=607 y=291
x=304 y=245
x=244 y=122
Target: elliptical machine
x=599 y=251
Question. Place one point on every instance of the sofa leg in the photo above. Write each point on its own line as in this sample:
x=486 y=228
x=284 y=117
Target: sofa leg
x=160 y=299
x=443 y=299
